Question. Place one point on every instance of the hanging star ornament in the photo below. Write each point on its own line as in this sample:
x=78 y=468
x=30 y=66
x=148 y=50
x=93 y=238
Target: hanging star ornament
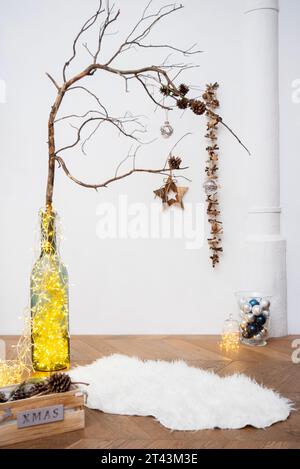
x=171 y=194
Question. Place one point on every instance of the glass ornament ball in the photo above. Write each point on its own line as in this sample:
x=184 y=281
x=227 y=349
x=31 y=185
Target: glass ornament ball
x=253 y=302
x=250 y=317
x=210 y=187
x=260 y=320
x=256 y=310
x=252 y=329
x=244 y=324
x=246 y=308
x=265 y=304
x=166 y=130
x=266 y=313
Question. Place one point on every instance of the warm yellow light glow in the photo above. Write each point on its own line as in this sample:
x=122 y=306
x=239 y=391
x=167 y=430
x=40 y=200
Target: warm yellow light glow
x=16 y=370
x=49 y=303
x=230 y=342
x=11 y=372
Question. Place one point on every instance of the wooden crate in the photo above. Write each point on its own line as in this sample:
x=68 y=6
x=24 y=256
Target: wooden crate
x=73 y=416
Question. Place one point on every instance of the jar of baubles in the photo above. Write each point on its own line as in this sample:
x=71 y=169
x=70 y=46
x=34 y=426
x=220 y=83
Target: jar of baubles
x=255 y=317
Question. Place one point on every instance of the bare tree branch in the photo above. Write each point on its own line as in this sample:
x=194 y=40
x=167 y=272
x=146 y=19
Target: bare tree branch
x=150 y=95
x=158 y=16
x=118 y=123
x=160 y=75
x=108 y=21
x=113 y=179
x=77 y=115
x=84 y=28
x=91 y=94
x=234 y=134
x=89 y=137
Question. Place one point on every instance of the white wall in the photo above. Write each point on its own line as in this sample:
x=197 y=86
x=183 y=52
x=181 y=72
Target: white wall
x=290 y=131
x=129 y=286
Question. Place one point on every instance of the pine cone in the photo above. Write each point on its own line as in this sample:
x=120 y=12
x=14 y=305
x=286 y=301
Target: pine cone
x=2 y=397
x=183 y=89
x=198 y=107
x=165 y=90
x=182 y=103
x=19 y=392
x=58 y=382
x=174 y=162
x=38 y=388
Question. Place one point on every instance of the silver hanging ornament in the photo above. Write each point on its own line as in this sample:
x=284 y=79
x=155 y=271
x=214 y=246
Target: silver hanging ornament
x=166 y=130
x=210 y=187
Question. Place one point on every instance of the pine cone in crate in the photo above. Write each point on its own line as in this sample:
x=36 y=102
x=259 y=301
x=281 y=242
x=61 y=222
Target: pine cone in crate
x=2 y=397
x=58 y=382
x=20 y=392
x=38 y=388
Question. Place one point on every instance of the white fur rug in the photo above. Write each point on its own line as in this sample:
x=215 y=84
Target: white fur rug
x=180 y=397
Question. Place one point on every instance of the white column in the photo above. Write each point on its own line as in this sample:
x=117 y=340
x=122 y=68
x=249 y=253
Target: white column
x=264 y=266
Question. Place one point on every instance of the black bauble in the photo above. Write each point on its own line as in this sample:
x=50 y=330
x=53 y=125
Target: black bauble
x=260 y=320
x=252 y=329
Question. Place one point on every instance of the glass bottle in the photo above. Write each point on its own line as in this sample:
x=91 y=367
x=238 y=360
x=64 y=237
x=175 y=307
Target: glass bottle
x=49 y=302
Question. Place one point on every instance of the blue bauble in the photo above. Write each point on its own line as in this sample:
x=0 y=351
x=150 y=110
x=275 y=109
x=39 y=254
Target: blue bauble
x=253 y=302
x=260 y=320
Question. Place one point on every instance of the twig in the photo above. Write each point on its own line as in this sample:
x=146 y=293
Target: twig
x=53 y=81
x=234 y=134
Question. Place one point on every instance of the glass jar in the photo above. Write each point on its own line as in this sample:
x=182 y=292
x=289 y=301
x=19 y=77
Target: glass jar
x=255 y=317
x=230 y=335
x=49 y=302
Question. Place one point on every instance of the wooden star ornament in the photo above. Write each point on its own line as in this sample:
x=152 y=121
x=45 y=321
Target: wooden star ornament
x=167 y=192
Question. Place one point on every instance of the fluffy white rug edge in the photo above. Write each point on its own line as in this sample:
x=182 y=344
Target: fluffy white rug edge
x=179 y=396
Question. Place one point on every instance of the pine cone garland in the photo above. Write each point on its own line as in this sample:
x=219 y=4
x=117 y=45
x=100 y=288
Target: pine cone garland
x=58 y=382
x=182 y=103
x=2 y=397
x=174 y=162
x=198 y=107
x=183 y=89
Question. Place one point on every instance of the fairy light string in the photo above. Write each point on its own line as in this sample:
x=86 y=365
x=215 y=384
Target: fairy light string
x=49 y=302
x=19 y=368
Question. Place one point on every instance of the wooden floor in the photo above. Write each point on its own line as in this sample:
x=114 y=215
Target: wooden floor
x=271 y=365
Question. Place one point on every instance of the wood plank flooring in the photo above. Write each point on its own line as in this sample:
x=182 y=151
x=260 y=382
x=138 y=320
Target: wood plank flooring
x=271 y=365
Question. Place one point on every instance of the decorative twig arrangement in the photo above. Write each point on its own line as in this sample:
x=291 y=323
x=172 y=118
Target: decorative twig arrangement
x=160 y=76
x=211 y=183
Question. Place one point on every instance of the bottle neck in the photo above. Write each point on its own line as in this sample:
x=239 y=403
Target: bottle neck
x=48 y=231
